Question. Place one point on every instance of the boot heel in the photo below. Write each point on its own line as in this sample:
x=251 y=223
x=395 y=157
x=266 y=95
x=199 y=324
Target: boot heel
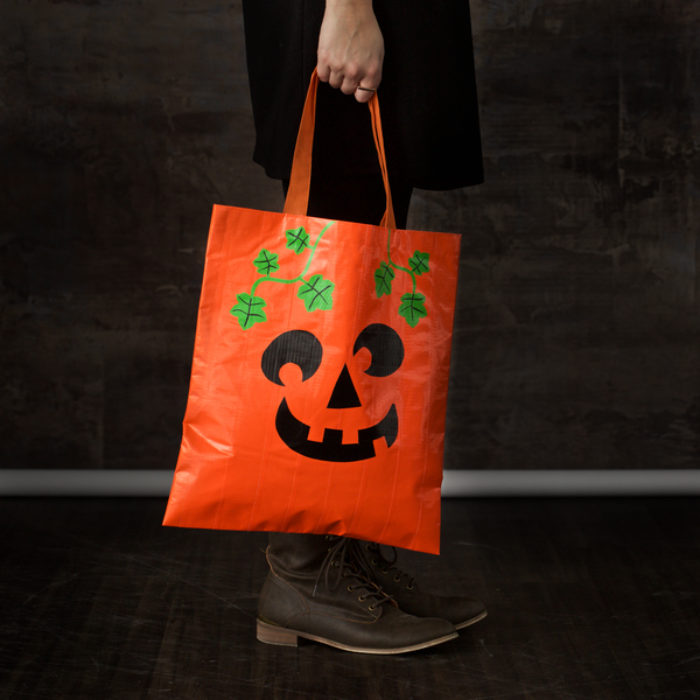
x=272 y=634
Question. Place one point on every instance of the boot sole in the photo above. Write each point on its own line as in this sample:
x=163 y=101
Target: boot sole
x=284 y=636
x=472 y=621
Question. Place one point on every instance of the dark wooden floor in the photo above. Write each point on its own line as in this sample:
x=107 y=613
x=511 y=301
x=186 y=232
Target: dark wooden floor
x=587 y=598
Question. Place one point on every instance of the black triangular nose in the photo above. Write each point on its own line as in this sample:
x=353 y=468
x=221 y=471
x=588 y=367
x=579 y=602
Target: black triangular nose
x=344 y=394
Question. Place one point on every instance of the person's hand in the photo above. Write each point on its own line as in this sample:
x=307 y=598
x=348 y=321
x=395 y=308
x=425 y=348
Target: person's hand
x=351 y=48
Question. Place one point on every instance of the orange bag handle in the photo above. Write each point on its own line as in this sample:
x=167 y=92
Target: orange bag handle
x=300 y=180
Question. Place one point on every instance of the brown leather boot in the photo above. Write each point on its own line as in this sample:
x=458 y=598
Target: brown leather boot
x=459 y=610
x=316 y=589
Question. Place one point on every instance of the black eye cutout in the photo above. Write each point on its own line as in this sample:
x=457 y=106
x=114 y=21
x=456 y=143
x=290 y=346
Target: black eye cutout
x=299 y=347
x=386 y=347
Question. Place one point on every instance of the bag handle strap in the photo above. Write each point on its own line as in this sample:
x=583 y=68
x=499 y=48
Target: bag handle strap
x=297 y=201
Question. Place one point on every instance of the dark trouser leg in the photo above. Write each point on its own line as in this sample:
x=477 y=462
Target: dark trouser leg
x=357 y=198
x=346 y=181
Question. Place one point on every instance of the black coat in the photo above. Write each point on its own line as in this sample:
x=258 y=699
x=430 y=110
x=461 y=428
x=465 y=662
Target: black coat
x=427 y=96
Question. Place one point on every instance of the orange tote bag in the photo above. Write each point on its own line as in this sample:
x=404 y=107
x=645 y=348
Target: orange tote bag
x=319 y=378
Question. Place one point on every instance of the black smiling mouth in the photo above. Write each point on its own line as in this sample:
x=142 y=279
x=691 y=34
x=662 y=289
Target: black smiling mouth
x=295 y=435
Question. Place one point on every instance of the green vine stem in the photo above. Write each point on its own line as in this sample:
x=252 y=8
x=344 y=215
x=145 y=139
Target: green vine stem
x=399 y=267
x=412 y=306
x=300 y=278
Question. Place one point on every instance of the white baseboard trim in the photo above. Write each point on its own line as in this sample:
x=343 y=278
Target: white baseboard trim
x=572 y=482
x=525 y=482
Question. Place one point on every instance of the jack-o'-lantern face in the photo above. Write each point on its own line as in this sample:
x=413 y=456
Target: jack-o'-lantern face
x=304 y=350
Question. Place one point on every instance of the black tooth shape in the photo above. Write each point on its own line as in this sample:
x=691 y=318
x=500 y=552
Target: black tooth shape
x=295 y=435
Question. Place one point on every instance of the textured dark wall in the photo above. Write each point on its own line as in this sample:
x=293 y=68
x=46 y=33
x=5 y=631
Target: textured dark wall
x=578 y=322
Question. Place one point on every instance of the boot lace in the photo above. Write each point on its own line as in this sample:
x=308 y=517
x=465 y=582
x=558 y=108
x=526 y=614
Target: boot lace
x=342 y=562
x=387 y=566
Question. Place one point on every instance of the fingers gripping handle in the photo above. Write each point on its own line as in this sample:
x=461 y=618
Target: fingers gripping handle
x=300 y=180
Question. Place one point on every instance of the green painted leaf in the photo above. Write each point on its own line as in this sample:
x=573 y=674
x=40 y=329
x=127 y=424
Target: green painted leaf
x=412 y=308
x=317 y=293
x=383 y=276
x=249 y=310
x=297 y=239
x=266 y=262
x=419 y=262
